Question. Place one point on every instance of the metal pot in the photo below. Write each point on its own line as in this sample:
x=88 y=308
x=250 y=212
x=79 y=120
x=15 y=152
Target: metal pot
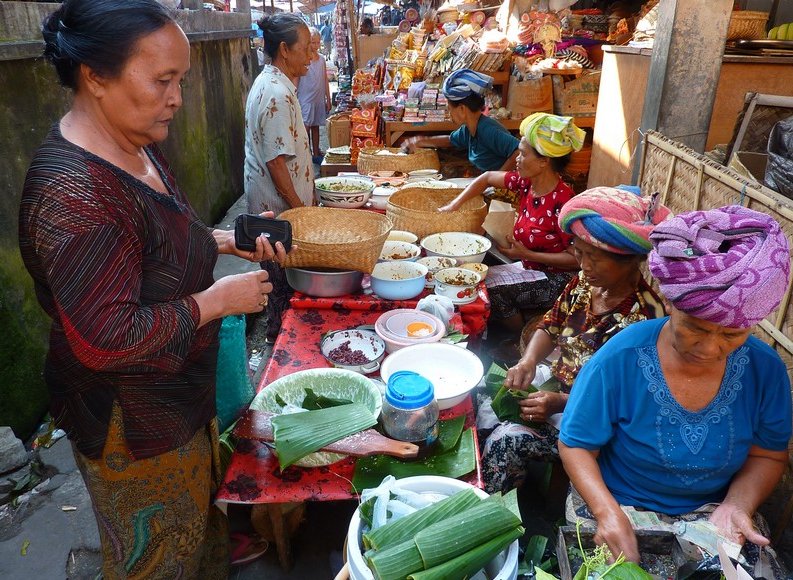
x=324 y=282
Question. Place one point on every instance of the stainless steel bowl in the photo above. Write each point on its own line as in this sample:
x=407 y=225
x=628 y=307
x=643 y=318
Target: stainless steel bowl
x=324 y=282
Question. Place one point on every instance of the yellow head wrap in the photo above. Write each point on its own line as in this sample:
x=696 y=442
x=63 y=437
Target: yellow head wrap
x=551 y=135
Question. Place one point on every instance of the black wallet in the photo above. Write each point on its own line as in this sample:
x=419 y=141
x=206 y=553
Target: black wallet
x=248 y=227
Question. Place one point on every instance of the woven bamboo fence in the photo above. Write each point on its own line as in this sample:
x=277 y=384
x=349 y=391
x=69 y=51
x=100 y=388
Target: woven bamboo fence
x=689 y=181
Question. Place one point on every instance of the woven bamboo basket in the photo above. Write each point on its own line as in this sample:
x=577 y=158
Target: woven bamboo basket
x=369 y=161
x=747 y=25
x=326 y=237
x=415 y=209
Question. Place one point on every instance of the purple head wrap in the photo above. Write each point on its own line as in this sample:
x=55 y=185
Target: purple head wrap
x=729 y=265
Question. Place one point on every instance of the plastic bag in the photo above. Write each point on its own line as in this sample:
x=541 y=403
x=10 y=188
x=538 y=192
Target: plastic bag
x=439 y=306
x=234 y=387
x=779 y=171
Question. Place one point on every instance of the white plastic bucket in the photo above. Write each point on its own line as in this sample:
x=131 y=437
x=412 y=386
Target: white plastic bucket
x=503 y=567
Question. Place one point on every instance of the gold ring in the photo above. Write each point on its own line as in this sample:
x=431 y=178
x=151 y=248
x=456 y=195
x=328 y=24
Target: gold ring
x=530 y=418
x=263 y=302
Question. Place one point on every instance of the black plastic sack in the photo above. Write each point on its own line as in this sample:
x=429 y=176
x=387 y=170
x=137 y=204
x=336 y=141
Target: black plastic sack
x=779 y=171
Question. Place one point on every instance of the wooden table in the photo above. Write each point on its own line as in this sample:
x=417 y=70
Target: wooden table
x=253 y=476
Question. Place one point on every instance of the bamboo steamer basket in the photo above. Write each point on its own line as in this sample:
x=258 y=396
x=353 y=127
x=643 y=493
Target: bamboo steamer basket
x=747 y=25
x=415 y=209
x=326 y=237
x=369 y=161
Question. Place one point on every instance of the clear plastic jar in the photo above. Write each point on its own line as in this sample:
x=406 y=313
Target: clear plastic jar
x=410 y=411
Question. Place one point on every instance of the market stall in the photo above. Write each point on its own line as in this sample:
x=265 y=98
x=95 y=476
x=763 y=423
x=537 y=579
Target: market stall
x=538 y=60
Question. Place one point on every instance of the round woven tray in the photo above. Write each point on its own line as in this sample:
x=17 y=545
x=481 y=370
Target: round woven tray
x=369 y=161
x=415 y=209
x=747 y=25
x=348 y=239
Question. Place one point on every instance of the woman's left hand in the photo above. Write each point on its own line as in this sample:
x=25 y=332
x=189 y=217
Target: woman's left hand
x=539 y=406
x=515 y=250
x=264 y=250
x=736 y=523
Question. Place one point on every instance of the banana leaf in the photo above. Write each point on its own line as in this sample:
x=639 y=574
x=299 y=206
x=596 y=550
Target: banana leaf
x=370 y=471
x=505 y=401
x=449 y=431
x=300 y=434
x=313 y=401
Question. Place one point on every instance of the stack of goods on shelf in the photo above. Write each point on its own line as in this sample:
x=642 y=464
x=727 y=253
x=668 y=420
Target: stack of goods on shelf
x=365 y=130
x=338 y=155
x=470 y=46
x=391 y=108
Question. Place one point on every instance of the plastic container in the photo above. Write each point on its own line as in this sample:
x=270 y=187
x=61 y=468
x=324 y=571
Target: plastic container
x=410 y=411
x=503 y=567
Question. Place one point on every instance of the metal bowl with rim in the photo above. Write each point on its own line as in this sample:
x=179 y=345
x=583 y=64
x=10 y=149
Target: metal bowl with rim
x=324 y=282
x=337 y=345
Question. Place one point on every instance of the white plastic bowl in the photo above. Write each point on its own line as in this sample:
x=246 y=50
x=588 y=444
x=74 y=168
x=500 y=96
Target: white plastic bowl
x=435 y=264
x=380 y=196
x=395 y=342
x=349 y=200
x=452 y=370
x=462 y=246
x=399 y=252
x=503 y=567
x=458 y=284
x=398 y=280
x=402 y=236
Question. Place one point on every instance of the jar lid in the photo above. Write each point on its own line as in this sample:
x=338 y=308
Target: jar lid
x=409 y=390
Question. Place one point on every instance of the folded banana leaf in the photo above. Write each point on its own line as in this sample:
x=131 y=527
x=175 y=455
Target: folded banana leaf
x=299 y=434
x=449 y=431
x=505 y=401
x=461 y=459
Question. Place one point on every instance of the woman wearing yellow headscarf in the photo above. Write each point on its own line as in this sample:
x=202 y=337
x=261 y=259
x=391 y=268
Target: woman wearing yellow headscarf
x=544 y=151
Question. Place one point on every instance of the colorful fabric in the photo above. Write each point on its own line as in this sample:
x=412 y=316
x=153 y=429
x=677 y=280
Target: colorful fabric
x=155 y=515
x=490 y=148
x=274 y=127
x=537 y=224
x=579 y=333
x=551 y=135
x=114 y=263
x=656 y=454
x=508 y=300
x=613 y=220
x=758 y=559
x=464 y=83
x=730 y=265
x=509 y=451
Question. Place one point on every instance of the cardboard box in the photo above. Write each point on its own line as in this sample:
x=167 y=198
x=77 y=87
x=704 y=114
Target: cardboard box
x=750 y=165
x=576 y=98
x=338 y=127
x=525 y=97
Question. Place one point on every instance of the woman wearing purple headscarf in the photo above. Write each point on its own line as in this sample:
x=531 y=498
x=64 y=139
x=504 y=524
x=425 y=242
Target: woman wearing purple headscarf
x=688 y=416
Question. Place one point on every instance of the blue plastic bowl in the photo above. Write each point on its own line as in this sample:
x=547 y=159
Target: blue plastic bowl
x=398 y=280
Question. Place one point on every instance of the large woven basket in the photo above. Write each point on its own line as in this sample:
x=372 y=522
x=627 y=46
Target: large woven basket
x=415 y=209
x=326 y=237
x=369 y=161
x=747 y=25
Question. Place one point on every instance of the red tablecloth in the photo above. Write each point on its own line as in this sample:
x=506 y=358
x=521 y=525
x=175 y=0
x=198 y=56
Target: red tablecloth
x=474 y=315
x=253 y=475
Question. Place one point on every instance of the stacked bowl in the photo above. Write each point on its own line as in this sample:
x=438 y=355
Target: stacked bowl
x=405 y=327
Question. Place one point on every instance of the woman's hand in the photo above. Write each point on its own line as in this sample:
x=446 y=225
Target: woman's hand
x=409 y=145
x=264 y=250
x=615 y=530
x=521 y=375
x=736 y=523
x=515 y=250
x=236 y=294
x=451 y=206
x=539 y=406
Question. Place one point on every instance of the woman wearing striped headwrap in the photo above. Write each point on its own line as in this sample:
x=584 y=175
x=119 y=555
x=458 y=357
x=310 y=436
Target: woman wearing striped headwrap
x=544 y=151
x=489 y=145
x=611 y=229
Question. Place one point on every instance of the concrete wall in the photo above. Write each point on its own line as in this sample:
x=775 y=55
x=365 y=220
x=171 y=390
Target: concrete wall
x=205 y=149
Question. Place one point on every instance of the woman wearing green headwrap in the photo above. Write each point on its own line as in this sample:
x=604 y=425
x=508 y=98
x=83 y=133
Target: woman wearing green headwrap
x=537 y=240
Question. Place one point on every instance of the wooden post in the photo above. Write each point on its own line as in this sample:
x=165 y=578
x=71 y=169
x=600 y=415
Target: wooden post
x=684 y=70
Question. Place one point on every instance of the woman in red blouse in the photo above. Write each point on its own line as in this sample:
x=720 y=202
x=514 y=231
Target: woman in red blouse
x=537 y=240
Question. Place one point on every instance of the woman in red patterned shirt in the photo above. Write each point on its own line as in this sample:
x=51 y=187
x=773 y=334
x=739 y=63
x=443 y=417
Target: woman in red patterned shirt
x=537 y=240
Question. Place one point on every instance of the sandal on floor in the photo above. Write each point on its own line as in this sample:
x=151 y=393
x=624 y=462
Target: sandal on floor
x=247 y=548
